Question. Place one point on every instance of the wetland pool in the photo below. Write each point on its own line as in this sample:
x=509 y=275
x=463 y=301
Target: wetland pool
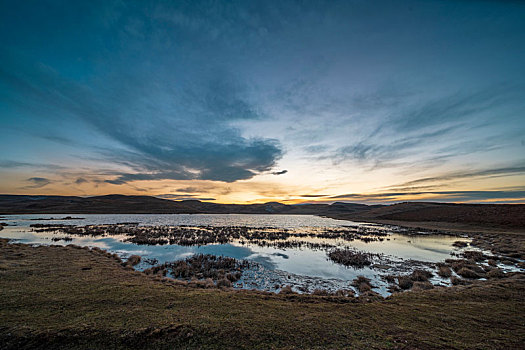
x=303 y=265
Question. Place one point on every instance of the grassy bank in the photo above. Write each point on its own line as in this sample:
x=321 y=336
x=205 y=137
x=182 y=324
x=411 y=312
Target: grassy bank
x=64 y=297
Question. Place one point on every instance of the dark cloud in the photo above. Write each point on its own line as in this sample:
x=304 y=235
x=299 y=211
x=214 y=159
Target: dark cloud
x=183 y=197
x=313 y=195
x=37 y=182
x=189 y=190
x=192 y=140
x=80 y=181
x=282 y=172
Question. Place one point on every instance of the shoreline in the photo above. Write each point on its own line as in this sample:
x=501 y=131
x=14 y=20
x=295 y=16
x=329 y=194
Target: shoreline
x=69 y=297
x=509 y=242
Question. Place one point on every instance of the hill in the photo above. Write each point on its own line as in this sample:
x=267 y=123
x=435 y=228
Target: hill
x=120 y=204
x=480 y=215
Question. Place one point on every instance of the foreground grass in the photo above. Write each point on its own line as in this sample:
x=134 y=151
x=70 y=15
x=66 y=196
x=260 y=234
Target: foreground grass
x=63 y=297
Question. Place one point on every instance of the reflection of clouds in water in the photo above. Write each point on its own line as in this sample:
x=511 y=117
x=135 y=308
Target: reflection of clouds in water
x=431 y=249
x=310 y=267
x=262 y=259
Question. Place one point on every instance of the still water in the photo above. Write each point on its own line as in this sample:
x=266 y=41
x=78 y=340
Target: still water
x=299 y=267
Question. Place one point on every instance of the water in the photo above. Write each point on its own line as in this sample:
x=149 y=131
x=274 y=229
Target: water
x=303 y=268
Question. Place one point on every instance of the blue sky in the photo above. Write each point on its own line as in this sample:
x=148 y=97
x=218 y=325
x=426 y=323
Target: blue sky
x=242 y=101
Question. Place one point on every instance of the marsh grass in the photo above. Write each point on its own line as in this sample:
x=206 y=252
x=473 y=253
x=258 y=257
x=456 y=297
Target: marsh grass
x=351 y=257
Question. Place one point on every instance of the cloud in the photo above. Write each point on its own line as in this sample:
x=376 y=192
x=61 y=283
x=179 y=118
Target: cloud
x=440 y=196
x=215 y=90
x=460 y=175
x=437 y=129
x=183 y=197
x=282 y=172
x=188 y=133
x=391 y=150
x=16 y=164
x=189 y=190
x=37 y=182
x=80 y=181
x=452 y=108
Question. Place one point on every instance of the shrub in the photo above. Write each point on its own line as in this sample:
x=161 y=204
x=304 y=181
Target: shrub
x=457 y=281
x=321 y=292
x=362 y=284
x=468 y=273
x=474 y=255
x=422 y=285
x=345 y=293
x=405 y=282
x=420 y=275
x=224 y=283
x=444 y=271
x=349 y=257
x=492 y=262
x=460 y=244
x=495 y=273
x=133 y=260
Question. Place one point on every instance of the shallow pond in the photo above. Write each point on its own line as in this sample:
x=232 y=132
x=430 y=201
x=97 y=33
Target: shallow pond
x=305 y=269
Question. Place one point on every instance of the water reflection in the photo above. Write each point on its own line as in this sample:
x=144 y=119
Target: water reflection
x=294 y=265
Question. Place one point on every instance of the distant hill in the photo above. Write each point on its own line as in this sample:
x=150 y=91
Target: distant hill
x=120 y=204
x=494 y=215
x=500 y=215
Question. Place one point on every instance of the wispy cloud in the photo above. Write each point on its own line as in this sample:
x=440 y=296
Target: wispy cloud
x=7 y=164
x=440 y=196
x=183 y=197
x=466 y=174
x=37 y=182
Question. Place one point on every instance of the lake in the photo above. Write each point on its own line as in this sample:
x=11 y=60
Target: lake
x=302 y=267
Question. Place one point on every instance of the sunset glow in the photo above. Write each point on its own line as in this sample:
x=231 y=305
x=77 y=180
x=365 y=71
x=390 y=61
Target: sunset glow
x=252 y=102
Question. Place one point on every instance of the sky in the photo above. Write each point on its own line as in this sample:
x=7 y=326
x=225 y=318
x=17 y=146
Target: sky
x=256 y=101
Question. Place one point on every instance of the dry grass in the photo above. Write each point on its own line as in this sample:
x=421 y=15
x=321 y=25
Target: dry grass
x=350 y=257
x=444 y=271
x=405 y=282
